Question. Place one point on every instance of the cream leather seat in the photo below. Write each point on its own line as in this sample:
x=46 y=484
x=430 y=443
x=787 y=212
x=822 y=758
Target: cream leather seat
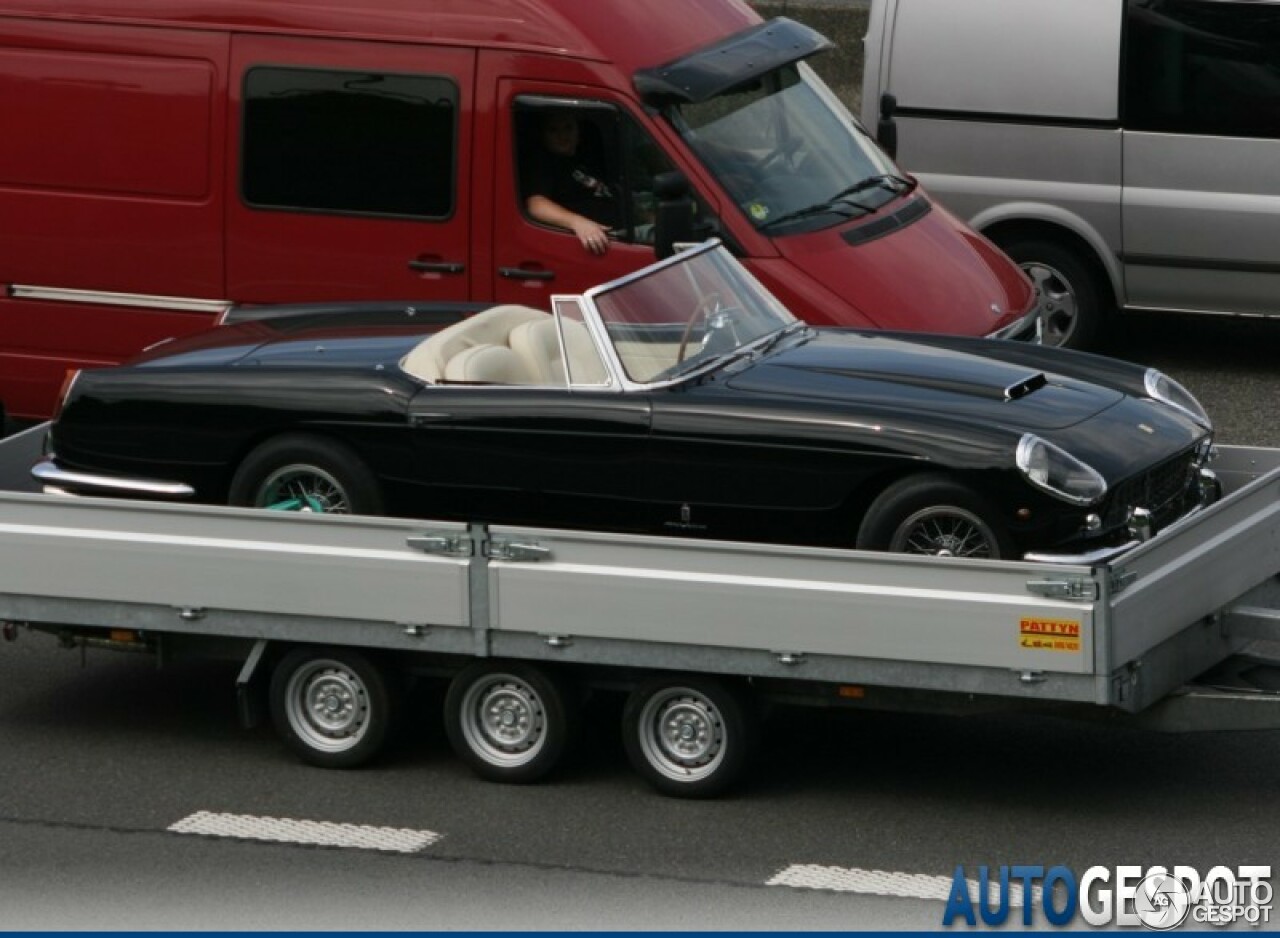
x=538 y=345
x=429 y=359
x=488 y=364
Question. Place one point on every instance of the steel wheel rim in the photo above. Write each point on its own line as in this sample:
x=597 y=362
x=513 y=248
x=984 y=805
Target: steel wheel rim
x=682 y=734
x=302 y=487
x=504 y=721
x=328 y=706
x=944 y=531
x=1059 y=307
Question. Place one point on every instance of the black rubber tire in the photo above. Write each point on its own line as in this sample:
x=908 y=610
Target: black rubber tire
x=909 y=503
x=355 y=488
x=690 y=736
x=332 y=706
x=510 y=721
x=1064 y=279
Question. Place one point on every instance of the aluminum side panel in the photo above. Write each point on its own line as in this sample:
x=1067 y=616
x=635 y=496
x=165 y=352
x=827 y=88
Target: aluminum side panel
x=227 y=559
x=797 y=600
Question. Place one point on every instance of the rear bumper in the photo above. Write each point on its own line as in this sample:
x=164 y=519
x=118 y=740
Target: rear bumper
x=55 y=479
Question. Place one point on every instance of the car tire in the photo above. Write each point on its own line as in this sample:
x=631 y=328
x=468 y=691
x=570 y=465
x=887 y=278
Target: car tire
x=937 y=516
x=509 y=721
x=305 y=473
x=332 y=706
x=690 y=736
x=1070 y=290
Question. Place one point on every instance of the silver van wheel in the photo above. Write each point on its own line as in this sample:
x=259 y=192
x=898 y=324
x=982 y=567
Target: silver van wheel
x=1070 y=290
x=1058 y=305
x=511 y=722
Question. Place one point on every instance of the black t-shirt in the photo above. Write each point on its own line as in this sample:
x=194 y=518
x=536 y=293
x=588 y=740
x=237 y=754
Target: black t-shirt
x=575 y=183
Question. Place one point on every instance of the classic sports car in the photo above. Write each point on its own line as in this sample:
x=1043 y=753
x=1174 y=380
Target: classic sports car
x=680 y=400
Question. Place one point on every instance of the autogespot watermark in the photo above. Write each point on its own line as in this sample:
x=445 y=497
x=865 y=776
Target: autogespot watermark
x=1127 y=896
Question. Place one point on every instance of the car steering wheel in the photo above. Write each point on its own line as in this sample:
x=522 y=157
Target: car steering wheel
x=707 y=305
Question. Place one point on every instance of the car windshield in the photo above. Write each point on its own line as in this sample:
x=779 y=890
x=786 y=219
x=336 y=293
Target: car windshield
x=688 y=314
x=789 y=152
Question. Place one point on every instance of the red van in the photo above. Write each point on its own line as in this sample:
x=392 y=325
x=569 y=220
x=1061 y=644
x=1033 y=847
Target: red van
x=165 y=161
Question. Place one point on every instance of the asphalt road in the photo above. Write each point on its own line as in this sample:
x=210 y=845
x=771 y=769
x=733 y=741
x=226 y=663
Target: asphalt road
x=101 y=757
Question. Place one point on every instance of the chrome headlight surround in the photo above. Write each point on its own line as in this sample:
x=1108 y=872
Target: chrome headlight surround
x=1054 y=470
x=1162 y=388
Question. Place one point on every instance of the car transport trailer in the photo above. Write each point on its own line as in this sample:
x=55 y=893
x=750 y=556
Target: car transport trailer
x=330 y=614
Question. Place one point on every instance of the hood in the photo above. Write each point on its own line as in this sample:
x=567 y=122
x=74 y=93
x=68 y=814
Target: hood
x=919 y=269
x=891 y=374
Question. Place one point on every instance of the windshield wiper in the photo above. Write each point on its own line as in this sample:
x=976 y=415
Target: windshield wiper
x=885 y=180
x=818 y=208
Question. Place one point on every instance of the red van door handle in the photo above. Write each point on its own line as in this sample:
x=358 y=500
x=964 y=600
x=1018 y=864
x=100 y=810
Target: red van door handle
x=437 y=267
x=524 y=273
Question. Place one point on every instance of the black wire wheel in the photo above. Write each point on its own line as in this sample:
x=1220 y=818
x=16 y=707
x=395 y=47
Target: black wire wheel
x=306 y=474
x=330 y=705
x=935 y=516
x=689 y=736
x=510 y=721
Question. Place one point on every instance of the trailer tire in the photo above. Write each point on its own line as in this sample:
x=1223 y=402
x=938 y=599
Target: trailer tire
x=935 y=515
x=690 y=737
x=332 y=706
x=509 y=721
x=297 y=472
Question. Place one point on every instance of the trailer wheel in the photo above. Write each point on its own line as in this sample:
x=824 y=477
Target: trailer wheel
x=936 y=516
x=689 y=737
x=331 y=706
x=510 y=722
x=306 y=473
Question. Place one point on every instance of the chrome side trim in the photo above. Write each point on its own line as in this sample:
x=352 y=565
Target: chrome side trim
x=184 y=304
x=61 y=481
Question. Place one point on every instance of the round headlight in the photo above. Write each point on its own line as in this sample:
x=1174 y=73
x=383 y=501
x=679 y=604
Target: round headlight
x=1053 y=469
x=1164 y=389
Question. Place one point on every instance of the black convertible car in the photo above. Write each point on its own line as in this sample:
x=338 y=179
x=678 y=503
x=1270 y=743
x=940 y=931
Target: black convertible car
x=680 y=400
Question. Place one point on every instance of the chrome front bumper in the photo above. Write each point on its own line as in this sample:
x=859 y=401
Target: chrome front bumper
x=58 y=481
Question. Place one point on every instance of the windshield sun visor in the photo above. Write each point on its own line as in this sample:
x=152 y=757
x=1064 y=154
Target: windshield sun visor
x=742 y=57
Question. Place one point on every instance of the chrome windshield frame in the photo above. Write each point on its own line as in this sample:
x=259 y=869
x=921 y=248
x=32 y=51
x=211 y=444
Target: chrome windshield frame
x=595 y=320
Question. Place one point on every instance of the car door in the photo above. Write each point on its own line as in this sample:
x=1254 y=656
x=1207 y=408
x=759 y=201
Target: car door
x=352 y=167
x=532 y=260
x=1201 y=209
x=527 y=455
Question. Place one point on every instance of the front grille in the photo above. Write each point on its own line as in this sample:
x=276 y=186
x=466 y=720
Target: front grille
x=1161 y=490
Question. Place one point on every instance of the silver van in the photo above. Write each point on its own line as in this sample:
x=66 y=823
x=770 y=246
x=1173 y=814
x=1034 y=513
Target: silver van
x=1125 y=152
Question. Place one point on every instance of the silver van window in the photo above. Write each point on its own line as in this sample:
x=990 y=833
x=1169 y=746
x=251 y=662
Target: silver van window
x=1206 y=67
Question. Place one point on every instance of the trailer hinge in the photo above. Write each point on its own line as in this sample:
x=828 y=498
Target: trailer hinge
x=517 y=551
x=449 y=543
x=1075 y=587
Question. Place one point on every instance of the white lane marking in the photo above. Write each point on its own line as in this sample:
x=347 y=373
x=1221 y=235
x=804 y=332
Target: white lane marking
x=322 y=833
x=883 y=883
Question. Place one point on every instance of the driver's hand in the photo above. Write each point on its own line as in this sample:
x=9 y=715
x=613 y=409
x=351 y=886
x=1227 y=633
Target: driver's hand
x=594 y=237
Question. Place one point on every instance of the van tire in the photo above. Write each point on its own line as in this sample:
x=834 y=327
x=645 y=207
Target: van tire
x=1068 y=286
